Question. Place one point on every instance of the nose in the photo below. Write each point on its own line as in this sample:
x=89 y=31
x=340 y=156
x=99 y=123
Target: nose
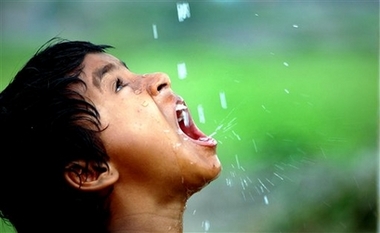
x=157 y=82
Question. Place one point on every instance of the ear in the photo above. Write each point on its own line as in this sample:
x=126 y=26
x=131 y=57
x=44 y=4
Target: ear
x=90 y=177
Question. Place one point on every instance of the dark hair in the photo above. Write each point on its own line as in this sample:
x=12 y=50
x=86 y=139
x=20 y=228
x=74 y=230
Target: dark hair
x=44 y=125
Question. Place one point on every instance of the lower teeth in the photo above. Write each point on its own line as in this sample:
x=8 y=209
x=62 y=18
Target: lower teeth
x=203 y=139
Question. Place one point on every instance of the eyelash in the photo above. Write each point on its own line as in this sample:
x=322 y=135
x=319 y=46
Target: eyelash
x=119 y=85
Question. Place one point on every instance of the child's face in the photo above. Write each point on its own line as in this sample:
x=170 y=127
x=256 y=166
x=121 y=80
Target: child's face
x=142 y=135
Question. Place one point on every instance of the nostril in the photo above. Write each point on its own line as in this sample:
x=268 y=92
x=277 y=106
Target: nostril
x=157 y=83
x=161 y=86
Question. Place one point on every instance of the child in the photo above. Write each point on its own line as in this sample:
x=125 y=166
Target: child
x=89 y=146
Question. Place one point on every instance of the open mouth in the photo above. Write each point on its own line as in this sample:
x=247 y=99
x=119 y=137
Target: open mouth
x=188 y=127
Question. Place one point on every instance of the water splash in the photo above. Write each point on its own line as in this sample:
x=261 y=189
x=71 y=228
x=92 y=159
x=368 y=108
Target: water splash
x=223 y=126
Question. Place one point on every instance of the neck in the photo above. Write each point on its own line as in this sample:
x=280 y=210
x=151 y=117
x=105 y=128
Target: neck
x=147 y=222
x=139 y=211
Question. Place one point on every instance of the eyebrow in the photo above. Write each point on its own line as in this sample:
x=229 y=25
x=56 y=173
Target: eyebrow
x=98 y=74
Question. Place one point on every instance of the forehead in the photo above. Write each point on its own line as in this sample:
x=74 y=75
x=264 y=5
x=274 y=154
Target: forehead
x=95 y=60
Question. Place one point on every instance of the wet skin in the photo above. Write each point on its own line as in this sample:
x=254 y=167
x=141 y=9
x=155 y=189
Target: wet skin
x=154 y=154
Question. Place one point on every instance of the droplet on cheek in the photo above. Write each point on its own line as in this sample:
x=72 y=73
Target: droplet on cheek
x=138 y=92
x=145 y=103
x=175 y=146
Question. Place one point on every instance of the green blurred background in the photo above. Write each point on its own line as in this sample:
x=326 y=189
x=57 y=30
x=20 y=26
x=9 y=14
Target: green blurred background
x=298 y=133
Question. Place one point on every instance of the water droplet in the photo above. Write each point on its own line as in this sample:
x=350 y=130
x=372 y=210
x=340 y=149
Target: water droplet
x=223 y=101
x=254 y=144
x=229 y=182
x=137 y=92
x=266 y=200
x=177 y=145
x=201 y=114
x=206 y=225
x=183 y=10
x=186 y=119
x=155 y=34
x=236 y=135
x=237 y=161
x=286 y=64
x=265 y=108
x=182 y=71
x=295 y=25
x=287 y=91
x=145 y=103
x=278 y=176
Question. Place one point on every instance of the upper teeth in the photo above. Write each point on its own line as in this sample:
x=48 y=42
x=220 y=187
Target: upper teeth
x=179 y=107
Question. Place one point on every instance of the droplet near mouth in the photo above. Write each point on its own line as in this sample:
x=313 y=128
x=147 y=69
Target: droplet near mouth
x=188 y=127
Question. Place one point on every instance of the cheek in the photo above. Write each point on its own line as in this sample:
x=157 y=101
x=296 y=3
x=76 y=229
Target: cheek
x=137 y=149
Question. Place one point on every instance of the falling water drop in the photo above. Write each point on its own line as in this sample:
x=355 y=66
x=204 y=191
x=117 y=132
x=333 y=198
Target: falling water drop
x=155 y=34
x=206 y=225
x=201 y=114
x=186 y=119
x=237 y=161
x=286 y=64
x=182 y=71
x=278 y=176
x=223 y=100
x=254 y=144
x=183 y=10
x=266 y=200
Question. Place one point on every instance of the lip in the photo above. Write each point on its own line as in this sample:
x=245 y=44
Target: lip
x=188 y=128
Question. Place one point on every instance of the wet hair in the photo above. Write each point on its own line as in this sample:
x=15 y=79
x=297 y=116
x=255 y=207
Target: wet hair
x=44 y=125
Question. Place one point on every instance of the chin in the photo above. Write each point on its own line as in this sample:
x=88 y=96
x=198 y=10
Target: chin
x=197 y=181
